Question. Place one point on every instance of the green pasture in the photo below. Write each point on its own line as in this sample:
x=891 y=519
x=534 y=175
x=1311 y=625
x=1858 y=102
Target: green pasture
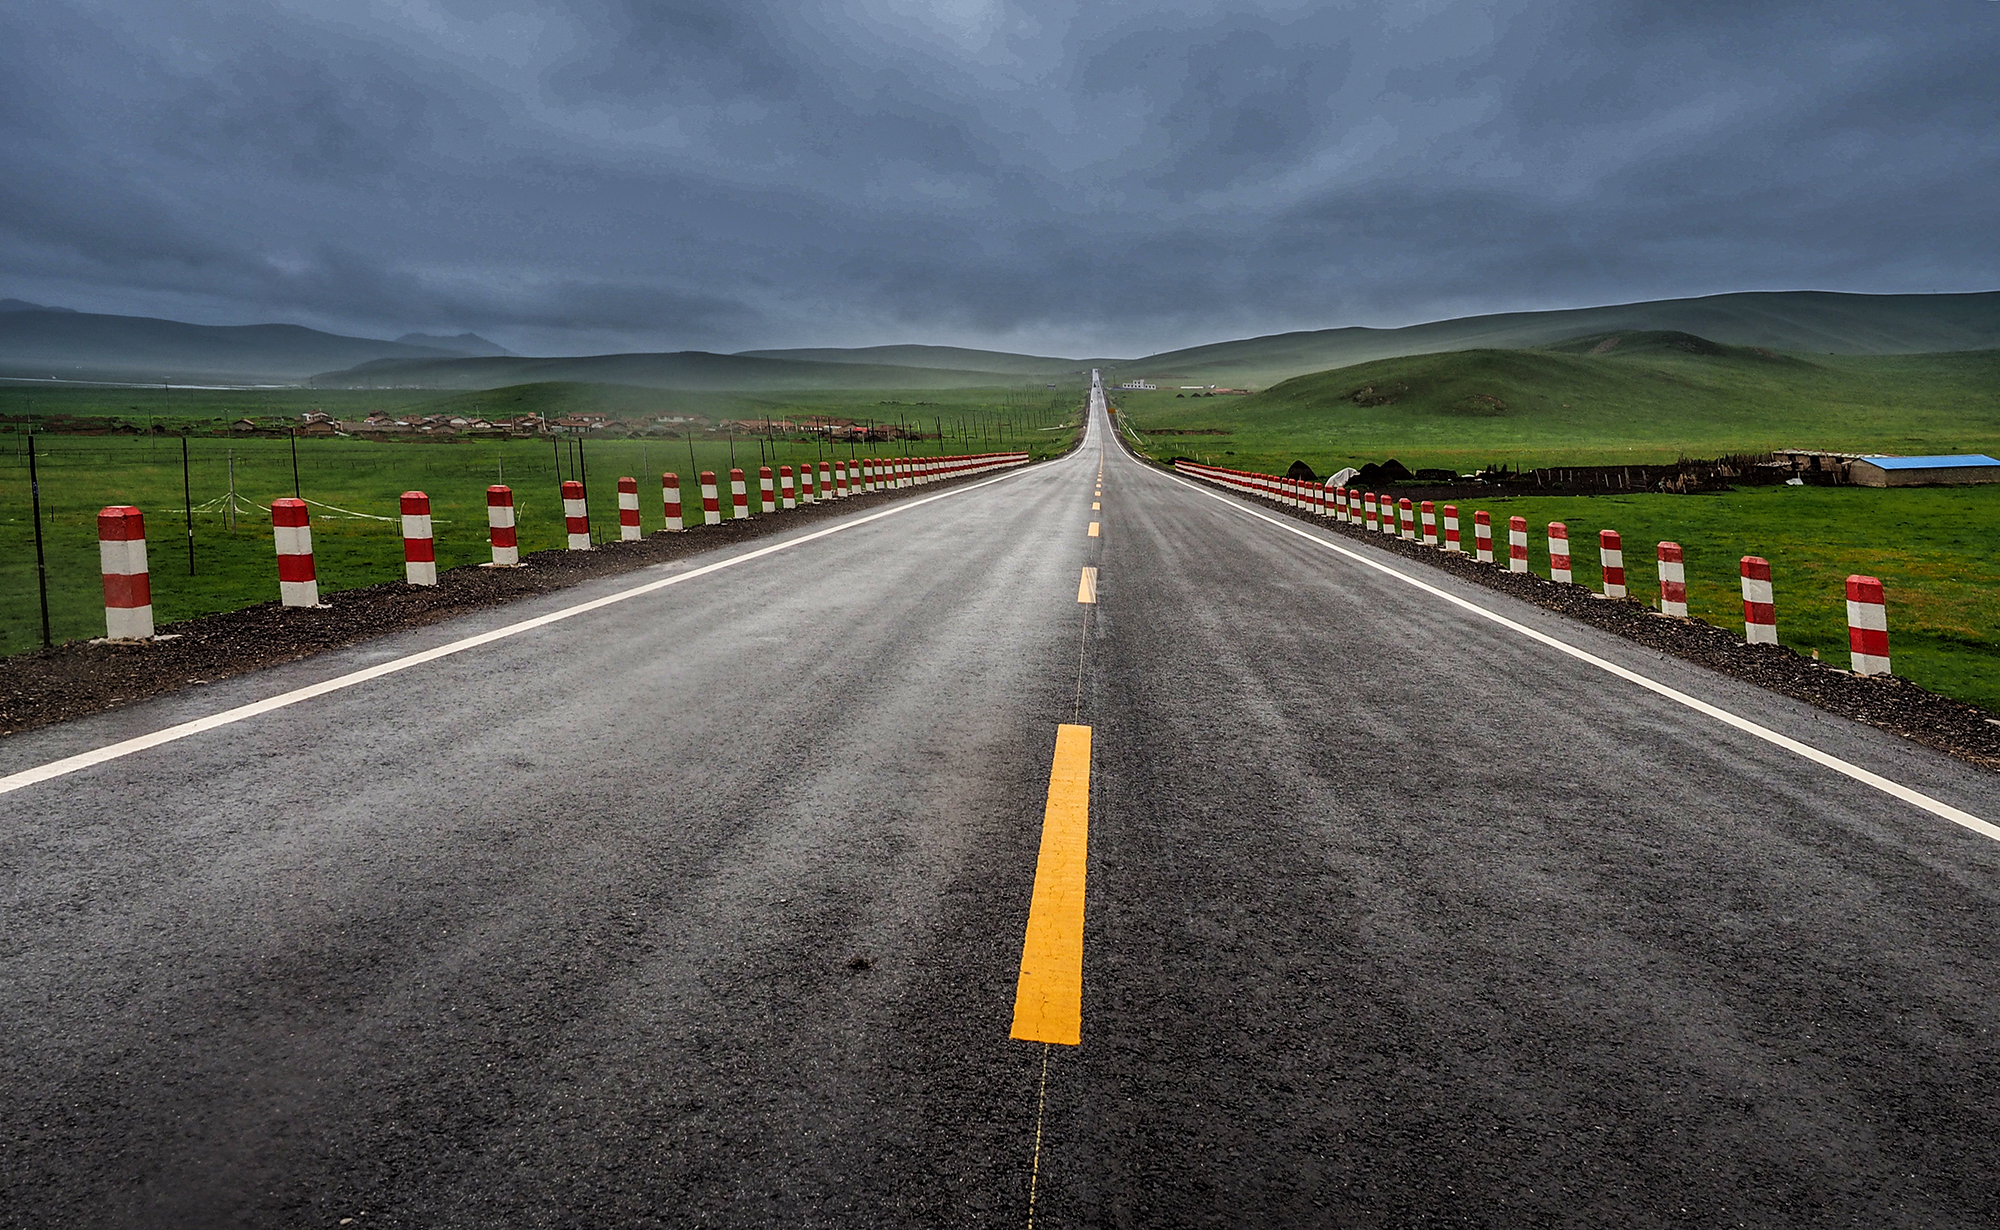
x=1651 y=399
x=1936 y=550
x=354 y=487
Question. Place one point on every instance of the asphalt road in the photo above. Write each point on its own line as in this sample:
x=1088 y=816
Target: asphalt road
x=706 y=907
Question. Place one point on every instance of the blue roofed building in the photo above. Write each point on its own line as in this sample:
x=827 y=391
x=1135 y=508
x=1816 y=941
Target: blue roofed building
x=1956 y=469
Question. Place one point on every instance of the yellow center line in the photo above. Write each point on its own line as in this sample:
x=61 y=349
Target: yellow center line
x=1093 y=529
x=1048 y=1000
x=1086 y=589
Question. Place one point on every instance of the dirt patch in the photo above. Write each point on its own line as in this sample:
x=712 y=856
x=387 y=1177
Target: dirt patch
x=83 y=677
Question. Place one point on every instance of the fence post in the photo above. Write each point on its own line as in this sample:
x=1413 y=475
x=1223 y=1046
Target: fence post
x=128 y=583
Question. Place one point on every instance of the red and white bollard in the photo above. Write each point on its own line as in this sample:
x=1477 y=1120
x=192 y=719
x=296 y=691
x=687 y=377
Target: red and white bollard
x=576 y=517
x=298 y=583
x=1760 y=610
x=419 y=547
x=1406 y=517
x=711 y=504
x=1673 y=580
x=128 y=586
x=1517 y=544
x=787 y=498
x=1611 y=554
x=808 y=493
x=841 y=479
x=1451 y=539
x=1368 y=512
x=670 y=500
x=1559 y=569
x=739 y=496
x=766 y=504
x=500 y=527
x=628 y=510
x=1867 y=626
x=1482 y=536
x=1428 y=514
x=1340 y=505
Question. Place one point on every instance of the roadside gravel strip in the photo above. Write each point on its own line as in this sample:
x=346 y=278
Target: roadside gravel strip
x=1953 y=727
x=84 y=677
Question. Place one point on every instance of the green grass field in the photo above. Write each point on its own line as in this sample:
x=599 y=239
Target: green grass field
x=1932 y=547
x=1647 y=400
x=355 y=487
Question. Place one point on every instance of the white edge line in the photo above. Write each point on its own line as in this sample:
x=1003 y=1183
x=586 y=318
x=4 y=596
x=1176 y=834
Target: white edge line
x=171 y=734
x=1915 y=798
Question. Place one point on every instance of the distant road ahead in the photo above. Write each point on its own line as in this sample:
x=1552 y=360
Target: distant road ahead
x=707 y=907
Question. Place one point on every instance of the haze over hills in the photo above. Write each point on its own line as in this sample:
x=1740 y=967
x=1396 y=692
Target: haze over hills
x=954 y=358
x=1813 y=322
x=39 y=342
x=691 y=370
x=43 y=342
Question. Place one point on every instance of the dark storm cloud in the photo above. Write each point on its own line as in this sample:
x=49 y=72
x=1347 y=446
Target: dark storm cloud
x=614 y=174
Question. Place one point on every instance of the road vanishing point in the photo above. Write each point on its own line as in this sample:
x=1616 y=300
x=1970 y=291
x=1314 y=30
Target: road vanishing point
x=1074 y=847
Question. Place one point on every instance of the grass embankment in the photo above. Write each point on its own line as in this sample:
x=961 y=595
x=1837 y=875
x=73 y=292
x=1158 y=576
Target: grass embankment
x=357 y=534
x=1649 y=398
x=1933 y=548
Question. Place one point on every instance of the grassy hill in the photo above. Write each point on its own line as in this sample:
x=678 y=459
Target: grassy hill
x=691 y=370
x=1814 y=322
x=1636 y=396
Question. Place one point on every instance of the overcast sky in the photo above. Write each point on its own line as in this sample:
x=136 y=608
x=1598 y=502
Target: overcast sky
x=1102 y=179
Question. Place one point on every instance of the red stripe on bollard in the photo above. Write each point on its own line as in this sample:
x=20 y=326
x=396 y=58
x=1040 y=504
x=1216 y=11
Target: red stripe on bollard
x=1673 y=580
x=1559 y=560
x=670 y=501
x=291 y=528
x=629 y=529
x=128 y=584
x=1611 y=555
x=419 y=548
x=1867 y=626
x=576 y=517
x=711 y=505
x=500 y=527
x=1760 y=610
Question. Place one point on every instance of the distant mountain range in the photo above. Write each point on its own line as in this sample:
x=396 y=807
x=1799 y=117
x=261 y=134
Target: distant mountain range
x=38 y=342
x=1808 y=322
x=42 y=342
